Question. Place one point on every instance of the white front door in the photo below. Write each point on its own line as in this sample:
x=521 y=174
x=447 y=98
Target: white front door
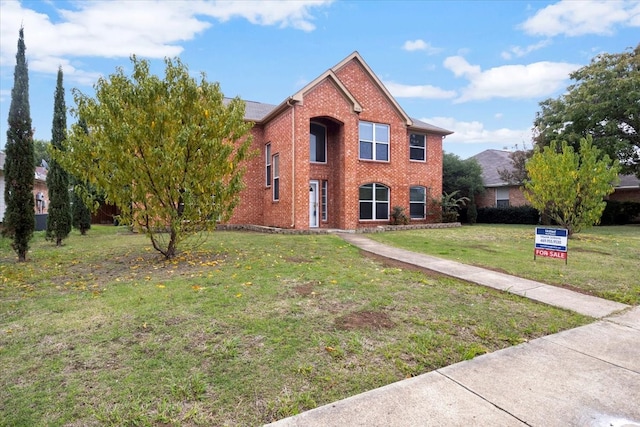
x=314 y=211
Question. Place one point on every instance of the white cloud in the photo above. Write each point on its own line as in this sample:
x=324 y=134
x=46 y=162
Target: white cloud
x=576 y=18
x=119 y=28
x=419 y=44
x=536 y=80
x=418 y=91
x=461 y=67
x=475 y=132
x=519 y=51
x=293 y=14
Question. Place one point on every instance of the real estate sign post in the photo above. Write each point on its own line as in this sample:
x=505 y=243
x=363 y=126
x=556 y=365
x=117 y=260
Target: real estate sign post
x=551 y=242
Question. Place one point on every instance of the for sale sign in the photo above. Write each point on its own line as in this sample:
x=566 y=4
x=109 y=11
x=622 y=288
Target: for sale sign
x=551 y=243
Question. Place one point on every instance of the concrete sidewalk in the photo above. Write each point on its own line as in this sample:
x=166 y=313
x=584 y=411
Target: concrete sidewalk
x=587 y=376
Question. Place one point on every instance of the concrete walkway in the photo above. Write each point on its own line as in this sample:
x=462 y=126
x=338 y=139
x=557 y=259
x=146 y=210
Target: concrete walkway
x=587 y=376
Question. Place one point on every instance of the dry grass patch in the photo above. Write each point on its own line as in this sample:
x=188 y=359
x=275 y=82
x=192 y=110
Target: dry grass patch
x=248 y=329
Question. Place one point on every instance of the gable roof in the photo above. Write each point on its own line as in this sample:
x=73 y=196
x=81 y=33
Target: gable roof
x=355 y=56
x=491 y=161
x=259 y=112
x=331 y=76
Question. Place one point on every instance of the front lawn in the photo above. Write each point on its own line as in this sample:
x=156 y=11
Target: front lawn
x=247 y=329
x=602 y=261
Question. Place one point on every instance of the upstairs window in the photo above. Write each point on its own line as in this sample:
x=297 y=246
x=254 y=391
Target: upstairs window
x=374 y=141
x=318 y=143
x=267 y=164
x=374 y=202
x=417 y=147
x=417 y=202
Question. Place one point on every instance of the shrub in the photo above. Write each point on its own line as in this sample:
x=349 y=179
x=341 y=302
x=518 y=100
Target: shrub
x=398 y=217
x=472 y=214
x=620 y=213
x=451 y=206
x=509 y=215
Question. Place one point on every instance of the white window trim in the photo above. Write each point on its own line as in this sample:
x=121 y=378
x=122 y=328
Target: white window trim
x=375 y=143
x=325 y=143
x=502 y=189
x=423 y=203
x=424 y=149
x=324 y=200
x=267 y=164
x=276 y=177
x=374 y=201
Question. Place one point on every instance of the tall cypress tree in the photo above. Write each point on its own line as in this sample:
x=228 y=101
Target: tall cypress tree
x=59 y=218
x=80 y=213
x=19 y=167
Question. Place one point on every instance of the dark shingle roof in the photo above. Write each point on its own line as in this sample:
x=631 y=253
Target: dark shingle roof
x=254 y=111
x=491 y=161
x=628 y=181
x=419 y=124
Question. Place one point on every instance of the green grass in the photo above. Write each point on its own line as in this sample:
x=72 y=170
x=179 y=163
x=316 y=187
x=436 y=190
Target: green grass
x=602 y=261
x=247 y=329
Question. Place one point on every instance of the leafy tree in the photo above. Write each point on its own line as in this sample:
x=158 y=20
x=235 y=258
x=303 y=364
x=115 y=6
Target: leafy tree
x=41 y=152
x=570 y=186
x=461 y=176
x=167 y=152
x=517 y=174
x=604 y=103
x=59 y=218
x=19 y=167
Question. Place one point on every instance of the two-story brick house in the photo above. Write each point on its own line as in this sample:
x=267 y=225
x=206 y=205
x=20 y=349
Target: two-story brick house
x=339 y=153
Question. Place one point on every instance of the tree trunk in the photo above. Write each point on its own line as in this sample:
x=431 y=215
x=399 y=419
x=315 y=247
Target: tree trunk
x=171 y=248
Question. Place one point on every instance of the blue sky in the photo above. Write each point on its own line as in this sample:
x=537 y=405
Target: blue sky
x=478 y=68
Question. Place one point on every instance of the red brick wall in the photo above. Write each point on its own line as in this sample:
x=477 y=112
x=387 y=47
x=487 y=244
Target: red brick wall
x=399 y=173
x=488 y=198
x=250 y=209
x=288 y=134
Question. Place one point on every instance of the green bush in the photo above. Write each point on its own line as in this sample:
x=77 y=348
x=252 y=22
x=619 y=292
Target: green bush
x=398 y=217
x=620 y=213
x=472 y=214
x=509 y=215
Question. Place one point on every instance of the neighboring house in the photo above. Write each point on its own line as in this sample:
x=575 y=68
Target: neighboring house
x=498 y=193
x=502 y=194
x=339 y=153
x=628 y=190
x=40 y=190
